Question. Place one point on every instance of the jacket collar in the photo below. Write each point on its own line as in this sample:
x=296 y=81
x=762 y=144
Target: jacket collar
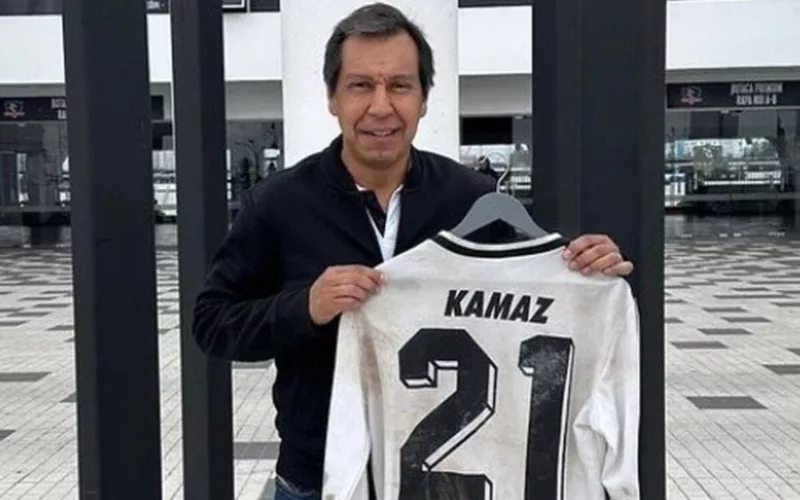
x=417 y=208
x=336 y=172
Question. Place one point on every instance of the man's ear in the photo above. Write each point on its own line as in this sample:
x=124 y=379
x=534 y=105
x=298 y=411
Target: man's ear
x=424 y=108
x=332 y=108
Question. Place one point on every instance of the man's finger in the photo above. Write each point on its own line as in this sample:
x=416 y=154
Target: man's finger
x=352 y=291
x=362 y=280
x=368 y=281
x=583 y=243
x=359 y=269
x=347 y=304
x=358 y=273
x=587 y=240
x=605 y=262
x=588 y=257
x=622 y=269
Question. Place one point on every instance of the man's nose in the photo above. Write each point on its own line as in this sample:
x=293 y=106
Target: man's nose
x=381 y=101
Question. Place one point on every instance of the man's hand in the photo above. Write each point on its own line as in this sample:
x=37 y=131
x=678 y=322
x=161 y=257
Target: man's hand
x=592 y=253
x=341 y=288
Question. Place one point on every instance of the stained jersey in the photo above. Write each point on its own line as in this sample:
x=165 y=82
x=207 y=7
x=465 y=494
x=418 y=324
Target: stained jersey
x=486 y=372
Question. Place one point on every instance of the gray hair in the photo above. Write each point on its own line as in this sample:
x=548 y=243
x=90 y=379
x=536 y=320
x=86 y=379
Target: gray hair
x=378 y=20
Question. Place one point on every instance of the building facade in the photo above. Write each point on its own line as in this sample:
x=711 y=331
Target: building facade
x=732 y=102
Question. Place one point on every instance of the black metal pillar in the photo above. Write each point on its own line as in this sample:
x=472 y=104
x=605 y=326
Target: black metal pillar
x=622 y=177
x=556 y=112
x=620 y=64
x=199 y=116
x=113 y=255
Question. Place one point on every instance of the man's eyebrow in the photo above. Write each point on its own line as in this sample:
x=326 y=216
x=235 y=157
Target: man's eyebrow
x=357 y=76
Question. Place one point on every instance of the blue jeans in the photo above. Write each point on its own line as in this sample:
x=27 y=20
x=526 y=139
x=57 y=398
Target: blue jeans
x=284 y=490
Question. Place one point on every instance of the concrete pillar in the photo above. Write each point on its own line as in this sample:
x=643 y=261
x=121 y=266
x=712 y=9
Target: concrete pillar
x=309 y=127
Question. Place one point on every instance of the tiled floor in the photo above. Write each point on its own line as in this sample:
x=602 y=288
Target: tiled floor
x=37 y=388
x=732 y=355
x=733 y=351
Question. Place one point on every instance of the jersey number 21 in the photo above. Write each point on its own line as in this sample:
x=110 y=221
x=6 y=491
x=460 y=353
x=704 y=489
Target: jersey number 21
x=545 y=359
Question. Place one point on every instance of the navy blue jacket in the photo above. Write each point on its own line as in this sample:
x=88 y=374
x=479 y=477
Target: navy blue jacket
x=291 y=227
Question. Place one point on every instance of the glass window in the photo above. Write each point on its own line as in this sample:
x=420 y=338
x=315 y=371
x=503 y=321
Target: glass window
x=34 y=166
x=253 y=153
x=34 y=171
x=265 y=5
x=733 y=161
x=500 y=146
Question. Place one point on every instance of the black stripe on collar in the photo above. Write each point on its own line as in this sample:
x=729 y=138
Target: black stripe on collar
x=521 y=248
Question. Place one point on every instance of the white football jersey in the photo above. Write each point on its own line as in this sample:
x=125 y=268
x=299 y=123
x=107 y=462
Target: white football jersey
x=486 y=372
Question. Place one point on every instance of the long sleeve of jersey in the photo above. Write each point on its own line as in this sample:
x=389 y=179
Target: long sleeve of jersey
x=348 y=445
x=607 y=429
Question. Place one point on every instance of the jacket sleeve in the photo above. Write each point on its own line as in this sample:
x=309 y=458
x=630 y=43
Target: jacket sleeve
x=239 y=314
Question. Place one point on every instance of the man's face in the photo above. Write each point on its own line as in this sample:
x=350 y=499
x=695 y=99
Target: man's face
x=378 y=98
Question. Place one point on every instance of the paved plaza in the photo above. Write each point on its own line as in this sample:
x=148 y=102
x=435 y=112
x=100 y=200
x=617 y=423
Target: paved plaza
x=733 y=370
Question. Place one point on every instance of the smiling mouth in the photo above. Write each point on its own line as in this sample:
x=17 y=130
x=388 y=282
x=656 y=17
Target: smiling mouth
x=385 y=132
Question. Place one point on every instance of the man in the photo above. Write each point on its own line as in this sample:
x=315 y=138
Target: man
x=485 y=168
x=304 y=246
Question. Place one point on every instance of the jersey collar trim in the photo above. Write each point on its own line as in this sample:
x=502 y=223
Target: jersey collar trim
x=467 y=248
